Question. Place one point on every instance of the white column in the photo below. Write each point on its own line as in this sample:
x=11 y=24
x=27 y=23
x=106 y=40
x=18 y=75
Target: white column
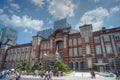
x=113 y=44
x=65 y=42
x=51 y=41
x=103 y=47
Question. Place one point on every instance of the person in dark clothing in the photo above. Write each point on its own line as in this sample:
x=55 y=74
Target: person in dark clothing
x=92 y=74
x=117 y=75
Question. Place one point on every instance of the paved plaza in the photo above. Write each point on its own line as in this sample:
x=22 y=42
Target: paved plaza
x=74 y=76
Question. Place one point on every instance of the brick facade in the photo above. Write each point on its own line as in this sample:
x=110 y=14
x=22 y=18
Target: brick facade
x=78 y=49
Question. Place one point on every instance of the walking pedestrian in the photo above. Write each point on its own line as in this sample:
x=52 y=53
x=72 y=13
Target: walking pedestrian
x=17 y=75
x=92 y=74
x=46 y=75
x=50 y=75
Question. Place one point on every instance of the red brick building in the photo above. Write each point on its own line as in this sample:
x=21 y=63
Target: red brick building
x=81 y=50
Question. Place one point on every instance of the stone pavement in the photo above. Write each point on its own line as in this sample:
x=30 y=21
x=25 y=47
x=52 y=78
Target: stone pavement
x=75 y=76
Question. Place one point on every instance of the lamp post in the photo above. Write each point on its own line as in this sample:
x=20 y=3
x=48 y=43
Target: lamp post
x=44 y=58
x=56 y=56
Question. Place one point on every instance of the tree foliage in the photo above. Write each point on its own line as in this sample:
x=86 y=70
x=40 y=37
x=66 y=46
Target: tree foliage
x=37 y=66
x=62 y=66
x=22 y=66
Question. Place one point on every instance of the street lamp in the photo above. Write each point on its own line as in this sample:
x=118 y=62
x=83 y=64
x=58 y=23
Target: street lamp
x=56 y=56
x=44 y=58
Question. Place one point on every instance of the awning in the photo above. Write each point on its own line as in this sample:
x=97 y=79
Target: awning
x=100 y=64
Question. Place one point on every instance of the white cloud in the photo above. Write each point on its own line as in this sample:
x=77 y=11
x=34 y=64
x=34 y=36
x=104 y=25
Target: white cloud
x=95 y=17
x=23 y=21
x=38 y=3
x=50 y=21
x=115 y=9
x=15 y=6
x=61 y=8
x=1 y=11
x=25 y=30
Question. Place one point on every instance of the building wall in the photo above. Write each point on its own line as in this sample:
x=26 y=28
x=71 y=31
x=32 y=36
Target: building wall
x=18 y=54
x=84 y=50
x=108 y=44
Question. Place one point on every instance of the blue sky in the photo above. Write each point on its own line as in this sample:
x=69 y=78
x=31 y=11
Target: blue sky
x=30 y=16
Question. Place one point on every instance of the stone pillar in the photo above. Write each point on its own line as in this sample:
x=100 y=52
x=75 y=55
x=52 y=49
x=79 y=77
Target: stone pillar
x=103 y=47
x=64 y=41
x=113 y=44
x=51 y=41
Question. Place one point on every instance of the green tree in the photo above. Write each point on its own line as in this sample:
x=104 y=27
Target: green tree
x=37 y=66
x=22 y=66
x=62 y=66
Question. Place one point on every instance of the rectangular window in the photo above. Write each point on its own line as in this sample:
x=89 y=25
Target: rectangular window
x=70 y=52
x=11 y=57
x=98 y=49
x=22 y=56
x=117 y=36
x=96 y=40
x=41 y=55
x=106 y=38
x=25 y=56
x=99 y=60
x=14 y=57
x=86 y=39
x=41 y=46
x=79 y=41
x=80 y=50
x=19 y=57
x=108 y=48
x=48 y=45
x=44 y=45
x=74 y=42
x=70 y=42
x=118 y=48
x=75 y=52
x=89 y=60
x=88 y=49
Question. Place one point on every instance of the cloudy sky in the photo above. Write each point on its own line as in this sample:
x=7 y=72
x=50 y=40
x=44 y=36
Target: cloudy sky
x=30 y=16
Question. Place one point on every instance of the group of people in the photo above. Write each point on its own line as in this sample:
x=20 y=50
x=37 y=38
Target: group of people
x=10 y=74
x=46 y=75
